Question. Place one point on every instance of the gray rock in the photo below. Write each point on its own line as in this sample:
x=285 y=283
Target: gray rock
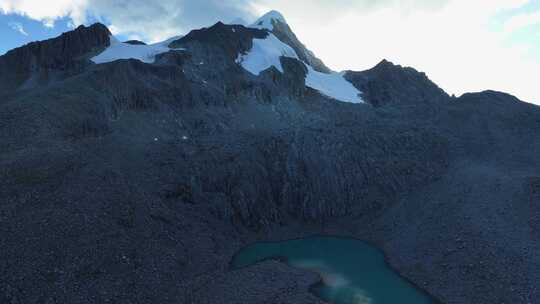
x=43 y=60
x=135 y=42
x=387 y=83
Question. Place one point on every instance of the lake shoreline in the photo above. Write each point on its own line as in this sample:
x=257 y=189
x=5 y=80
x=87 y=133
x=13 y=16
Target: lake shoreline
x=306 y=237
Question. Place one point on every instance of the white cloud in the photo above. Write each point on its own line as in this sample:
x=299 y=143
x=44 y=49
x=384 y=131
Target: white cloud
x=18 y=27
x=46 y=11
x=522 y=20
x=450 y=40
x=158 y=20
x=153 y=20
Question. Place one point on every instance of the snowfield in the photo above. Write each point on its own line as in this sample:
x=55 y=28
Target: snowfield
x=145 y=53
x=333 y=85
x=266 y=53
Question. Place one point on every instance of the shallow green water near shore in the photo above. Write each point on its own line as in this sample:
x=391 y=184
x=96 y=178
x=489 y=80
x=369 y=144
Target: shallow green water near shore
x=352 y=271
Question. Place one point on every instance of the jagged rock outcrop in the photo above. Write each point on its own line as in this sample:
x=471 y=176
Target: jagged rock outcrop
x=213 y=58
x=387 y=83
x=44 y=60
x=230 y=39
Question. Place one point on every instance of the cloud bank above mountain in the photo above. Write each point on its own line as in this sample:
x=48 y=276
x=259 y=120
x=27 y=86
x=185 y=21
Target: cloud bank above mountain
x=150 y=20
x=156 y=19
x=462 y=45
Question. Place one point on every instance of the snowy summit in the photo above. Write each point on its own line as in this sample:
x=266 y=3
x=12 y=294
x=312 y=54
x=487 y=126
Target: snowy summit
x=265 y=53
x=266 y=21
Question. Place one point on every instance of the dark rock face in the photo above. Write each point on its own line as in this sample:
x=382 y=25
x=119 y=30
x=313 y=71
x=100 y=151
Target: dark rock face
x=135 y=42
x=42 y=59
x=230 y=39
x=493 y=97
x=387 y=83
x=128 y=182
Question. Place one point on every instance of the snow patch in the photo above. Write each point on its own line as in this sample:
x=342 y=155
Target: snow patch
x=145 y=53
x=265 y=22
x=266 y=53
x=333 y=85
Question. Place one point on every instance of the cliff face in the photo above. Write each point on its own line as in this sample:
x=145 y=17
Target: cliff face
x=40 y=59
x=122 y=181
x=229 y=39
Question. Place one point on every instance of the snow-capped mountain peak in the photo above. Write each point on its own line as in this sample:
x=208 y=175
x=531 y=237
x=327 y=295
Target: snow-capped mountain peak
x=268 y=19
x=274 y=22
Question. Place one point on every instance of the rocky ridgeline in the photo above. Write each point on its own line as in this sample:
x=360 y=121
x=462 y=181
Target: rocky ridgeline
x=42 y=60
x=387 y=83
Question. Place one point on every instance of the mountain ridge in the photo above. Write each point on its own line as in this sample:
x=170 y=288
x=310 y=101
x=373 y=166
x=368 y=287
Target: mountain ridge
x=59 y=53
x=272 y=21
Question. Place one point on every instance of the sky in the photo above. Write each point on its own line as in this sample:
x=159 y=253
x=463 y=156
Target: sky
x=462 y=45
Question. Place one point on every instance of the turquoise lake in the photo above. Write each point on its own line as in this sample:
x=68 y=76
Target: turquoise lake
x=352 y=271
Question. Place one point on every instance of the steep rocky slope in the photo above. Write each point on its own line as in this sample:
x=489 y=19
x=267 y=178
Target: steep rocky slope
x=132 y=182
x=39 y=62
